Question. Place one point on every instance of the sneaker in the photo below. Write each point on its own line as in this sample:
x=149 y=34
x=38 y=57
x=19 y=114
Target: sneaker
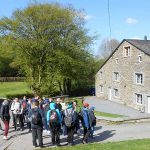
x=58 y=144
x=48 y=132
x=70 y=144
x=44 y=131
x=1 y=132
x=5 y=138
x=79 y=133
x=84 y=142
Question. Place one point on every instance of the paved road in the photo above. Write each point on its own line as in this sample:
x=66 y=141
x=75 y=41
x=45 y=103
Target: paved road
x=112 y=107
x=104 y=133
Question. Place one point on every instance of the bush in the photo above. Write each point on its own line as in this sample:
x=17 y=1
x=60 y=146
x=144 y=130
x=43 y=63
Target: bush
x=12 y=96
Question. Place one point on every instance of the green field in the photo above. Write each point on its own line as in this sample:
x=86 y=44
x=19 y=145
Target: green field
x=143 y=144
x=104 y=114
x=7 y=88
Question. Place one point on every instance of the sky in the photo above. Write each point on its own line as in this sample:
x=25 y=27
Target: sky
x=129 y=19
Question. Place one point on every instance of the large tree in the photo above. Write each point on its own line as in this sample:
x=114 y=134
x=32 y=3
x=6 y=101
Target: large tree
x=50 y=45
x=107 y=46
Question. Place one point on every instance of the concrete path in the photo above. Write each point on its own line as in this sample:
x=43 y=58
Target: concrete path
x=104 y=133
x=112 y=107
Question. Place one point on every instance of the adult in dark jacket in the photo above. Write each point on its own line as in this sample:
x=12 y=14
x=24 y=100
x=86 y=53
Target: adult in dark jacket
x=58 y=105
x=92 y=121
x=5 y=116
x=55 y=127
x=37 y=119
x=46 y=109
x=86 y=122
x=71 y=113
x=29 y=107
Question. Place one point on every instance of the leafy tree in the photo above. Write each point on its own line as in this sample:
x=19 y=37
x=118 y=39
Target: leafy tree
x=108 y=46
x=50 y=45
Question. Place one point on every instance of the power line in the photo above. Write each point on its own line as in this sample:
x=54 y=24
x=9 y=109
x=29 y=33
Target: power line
x=108 y=6
x=109 y=24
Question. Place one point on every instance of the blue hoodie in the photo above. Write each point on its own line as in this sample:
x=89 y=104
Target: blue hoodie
x=52 y=107
x=85 y=114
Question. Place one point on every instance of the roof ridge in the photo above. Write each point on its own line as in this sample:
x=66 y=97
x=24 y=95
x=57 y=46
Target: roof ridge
x=136 y=40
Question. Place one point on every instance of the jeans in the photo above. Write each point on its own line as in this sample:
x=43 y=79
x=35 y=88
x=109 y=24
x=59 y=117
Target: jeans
x=55 y=131
x=70 y=132
x=92 y=131
x=45 y=124
x=37 y=134
x=6 y=123
x=20 y=118
x=86 y=134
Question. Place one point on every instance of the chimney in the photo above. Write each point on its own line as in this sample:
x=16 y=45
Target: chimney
x=145 y=38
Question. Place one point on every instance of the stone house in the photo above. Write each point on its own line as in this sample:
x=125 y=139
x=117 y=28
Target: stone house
x=125 y=75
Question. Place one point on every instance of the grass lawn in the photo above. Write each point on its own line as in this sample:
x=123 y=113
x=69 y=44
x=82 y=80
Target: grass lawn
x=143 y=144
x=103 y=114
x=98 y=113
x=13 y=88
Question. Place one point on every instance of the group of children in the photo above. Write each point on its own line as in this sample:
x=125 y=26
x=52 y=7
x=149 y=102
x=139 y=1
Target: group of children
x=50 y=116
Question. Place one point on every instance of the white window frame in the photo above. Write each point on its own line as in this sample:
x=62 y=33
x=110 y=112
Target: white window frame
x=116 y=90
x=101 y=74
x=139 y=58
x=139 y=99
x=116 y=60
x=101 y=88
x=139 y=79
x=116 y=76
x=126 y=51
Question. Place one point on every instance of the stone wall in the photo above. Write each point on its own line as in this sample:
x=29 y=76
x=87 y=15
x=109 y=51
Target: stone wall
x=126 y=67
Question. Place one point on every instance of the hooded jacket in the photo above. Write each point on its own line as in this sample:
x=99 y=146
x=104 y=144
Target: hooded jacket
x=53 y=107
x=5 y=111
x=70 y=110
x=86 y=119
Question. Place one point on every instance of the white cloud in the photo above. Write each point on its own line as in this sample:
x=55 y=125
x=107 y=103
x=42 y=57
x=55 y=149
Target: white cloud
x=88 y=17
x=131 y=21
x=136 y=38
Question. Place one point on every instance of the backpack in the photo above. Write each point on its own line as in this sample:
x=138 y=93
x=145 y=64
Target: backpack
x=24 y=105
x=36 y=117
x=54 y=117
x=92 y=118
x=68 y=119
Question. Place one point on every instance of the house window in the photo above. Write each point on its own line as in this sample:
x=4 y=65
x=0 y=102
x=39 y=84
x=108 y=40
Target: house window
x=139 y=78
x=101 y=88
x=116 y=76
x=116 y=60
x=101 y=74
x=140 y=58
x=127 y=51
x=139 y=98
x=116 y=93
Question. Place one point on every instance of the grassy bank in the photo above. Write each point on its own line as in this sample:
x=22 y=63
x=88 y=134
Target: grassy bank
x=104 y=114
x=143 y=144
x=13 y=88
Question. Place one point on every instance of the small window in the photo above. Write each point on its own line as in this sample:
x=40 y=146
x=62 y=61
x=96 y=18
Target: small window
x=101 y=74
x=101 y=88
x=140 y=58
x=116 y=76
x=116 y=60
x=127 y=51
x=116 y=93
x=139 y=78
x=139 y=98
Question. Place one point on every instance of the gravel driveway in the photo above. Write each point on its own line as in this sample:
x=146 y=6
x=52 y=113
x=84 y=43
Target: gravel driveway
x=112 y=107
x=104 y=133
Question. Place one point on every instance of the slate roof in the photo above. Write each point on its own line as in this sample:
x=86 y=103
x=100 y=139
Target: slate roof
x=143 y=45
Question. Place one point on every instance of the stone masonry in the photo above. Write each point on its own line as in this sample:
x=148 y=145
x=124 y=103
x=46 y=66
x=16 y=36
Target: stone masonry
x=126 y=86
